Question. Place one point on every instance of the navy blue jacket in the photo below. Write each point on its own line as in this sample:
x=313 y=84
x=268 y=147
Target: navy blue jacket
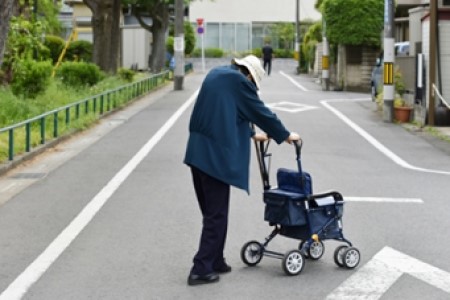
x=219 y=129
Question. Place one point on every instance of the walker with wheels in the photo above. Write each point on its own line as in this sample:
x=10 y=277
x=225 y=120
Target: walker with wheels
x=296 y=212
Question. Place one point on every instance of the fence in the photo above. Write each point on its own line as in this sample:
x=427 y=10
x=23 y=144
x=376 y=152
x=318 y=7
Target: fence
x=63 y=119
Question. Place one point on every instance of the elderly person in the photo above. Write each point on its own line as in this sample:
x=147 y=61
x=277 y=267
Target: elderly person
x=218 y=152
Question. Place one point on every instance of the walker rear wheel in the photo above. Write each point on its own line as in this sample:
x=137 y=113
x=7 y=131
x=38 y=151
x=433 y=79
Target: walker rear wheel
x=252 y=253
x=339 y=255
x=316 y=250
x=293 y=262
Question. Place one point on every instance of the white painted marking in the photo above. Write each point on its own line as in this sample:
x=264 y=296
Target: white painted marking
x=18 y=288
x=290 y=106
x=9 y=186
x=383 y=149
x=372 y=280
x=293 y=81
x=383 y=199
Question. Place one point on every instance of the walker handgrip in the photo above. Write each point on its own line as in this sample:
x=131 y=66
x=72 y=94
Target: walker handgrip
x=298 y=148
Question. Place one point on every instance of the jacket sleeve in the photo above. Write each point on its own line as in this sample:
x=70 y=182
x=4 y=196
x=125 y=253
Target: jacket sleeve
x=252 y=109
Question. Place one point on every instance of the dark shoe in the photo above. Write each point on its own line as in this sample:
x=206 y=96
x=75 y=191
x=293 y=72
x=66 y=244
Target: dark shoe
x=225 y=268
x=203 y=279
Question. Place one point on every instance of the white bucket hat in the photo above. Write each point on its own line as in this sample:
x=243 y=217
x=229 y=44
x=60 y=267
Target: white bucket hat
x=253 y=64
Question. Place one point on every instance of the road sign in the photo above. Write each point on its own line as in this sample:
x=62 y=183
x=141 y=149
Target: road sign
x=383 y=270
x=200 y=28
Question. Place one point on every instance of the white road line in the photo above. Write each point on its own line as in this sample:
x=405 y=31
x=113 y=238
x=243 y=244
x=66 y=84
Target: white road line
x=372 y=280
x=383 y=199
x=293 y=81
x=383 y=149
x=18 y=288
x=391 y=155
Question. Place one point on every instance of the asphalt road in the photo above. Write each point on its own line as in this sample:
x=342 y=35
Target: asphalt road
x=111 y=213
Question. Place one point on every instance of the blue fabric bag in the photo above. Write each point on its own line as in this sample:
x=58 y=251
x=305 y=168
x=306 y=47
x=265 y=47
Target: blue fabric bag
x=284 y=208
x=294 y=181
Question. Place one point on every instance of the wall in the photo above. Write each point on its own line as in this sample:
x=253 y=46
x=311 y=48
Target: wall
x=248 y=11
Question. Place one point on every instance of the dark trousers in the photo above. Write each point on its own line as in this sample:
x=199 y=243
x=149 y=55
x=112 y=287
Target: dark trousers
x=268 y=65
x=213 y=198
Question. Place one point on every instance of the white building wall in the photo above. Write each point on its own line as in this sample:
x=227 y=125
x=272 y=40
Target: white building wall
x=135 y=47
x=248 y=11
x=444 y=36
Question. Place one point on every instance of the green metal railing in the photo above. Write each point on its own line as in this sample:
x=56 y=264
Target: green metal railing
x=95 y=106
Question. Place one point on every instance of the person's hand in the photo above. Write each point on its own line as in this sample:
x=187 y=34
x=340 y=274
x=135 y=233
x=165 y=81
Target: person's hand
x=293 y=136
x=260 y=137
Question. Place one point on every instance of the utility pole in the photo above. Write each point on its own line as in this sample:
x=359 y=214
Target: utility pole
x=179 y=45
x=325 y=59
x=433 y=37
x=297 y=34
x=389 y=59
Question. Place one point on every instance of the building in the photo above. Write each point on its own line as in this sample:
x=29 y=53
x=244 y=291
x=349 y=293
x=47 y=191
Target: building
x=136 y=41
x=242 y=25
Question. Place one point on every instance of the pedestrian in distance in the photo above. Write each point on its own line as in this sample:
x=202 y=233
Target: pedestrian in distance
x=267 y=55
x=218 y=153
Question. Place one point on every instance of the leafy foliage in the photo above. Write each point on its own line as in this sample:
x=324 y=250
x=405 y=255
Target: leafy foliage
x=353 y=22
x=285 y=33
x=209 y=52
x=55 y=44
x=189 y=39
x=79 y=74
x=79 y=51
x=30 y=78
x=126 y=74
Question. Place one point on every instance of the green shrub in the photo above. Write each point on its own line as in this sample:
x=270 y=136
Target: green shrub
x=209 y=52
x=257 y=52
x=79 y=51
x=78 y=74
x=30 y=78
x=189 y=38
x=126 y=74
x=283 y=53
x=55 y=44
x=169 y=45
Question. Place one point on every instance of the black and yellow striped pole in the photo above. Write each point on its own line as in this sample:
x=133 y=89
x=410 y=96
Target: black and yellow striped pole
x=389 y=59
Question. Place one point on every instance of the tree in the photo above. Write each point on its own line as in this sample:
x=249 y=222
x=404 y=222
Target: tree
x=6 y=10
x=353 y=22
x=285 y=33
x=158 y=11
x=106 y=31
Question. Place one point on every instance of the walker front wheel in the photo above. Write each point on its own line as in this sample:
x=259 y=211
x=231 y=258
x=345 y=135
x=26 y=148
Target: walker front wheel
x=293 y=262
x=351 y=257
x=252 y=253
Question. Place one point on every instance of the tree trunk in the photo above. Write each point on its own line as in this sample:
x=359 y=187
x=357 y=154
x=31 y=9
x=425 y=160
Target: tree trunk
x=106 y=31
x=159 y=12
x=158 y=56
x=6 y=9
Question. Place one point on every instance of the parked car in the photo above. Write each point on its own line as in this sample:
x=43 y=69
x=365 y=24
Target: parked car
x=401 y=49
x=376 y=80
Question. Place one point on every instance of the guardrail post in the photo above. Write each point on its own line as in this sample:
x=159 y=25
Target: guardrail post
x=77 y=111
x=67 y=116
x=28 y=137
x=11 y=144
x=101 y=104
x=42 y=130
x=55 y=124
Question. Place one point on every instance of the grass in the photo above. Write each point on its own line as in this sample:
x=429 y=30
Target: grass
x=13 y=110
